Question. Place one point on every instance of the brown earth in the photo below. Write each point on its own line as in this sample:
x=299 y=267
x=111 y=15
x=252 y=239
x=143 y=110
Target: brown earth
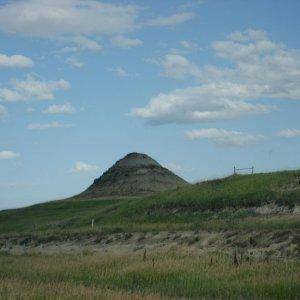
x=134 y=175
x=279 y=244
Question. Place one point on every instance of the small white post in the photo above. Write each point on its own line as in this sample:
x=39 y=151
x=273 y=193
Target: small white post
x=92 y=223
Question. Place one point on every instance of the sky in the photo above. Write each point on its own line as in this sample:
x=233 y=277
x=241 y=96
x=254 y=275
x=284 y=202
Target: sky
x=200 y=86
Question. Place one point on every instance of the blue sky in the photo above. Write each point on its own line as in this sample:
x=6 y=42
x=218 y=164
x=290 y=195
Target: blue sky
x=200 y=86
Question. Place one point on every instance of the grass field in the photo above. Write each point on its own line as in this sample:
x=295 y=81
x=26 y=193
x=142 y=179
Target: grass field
x=211 y=205
x=180 y=273
x=216 y=207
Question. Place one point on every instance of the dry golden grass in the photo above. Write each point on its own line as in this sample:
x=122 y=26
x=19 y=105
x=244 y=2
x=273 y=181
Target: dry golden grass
x=180 y=273
x=17 y=289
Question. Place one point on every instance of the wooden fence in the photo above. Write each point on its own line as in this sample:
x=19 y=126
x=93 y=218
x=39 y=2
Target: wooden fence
x=237 y=170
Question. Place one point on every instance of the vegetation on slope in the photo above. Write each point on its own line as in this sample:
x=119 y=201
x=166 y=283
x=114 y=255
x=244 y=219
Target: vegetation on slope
x=215 y=204
x=167 y=273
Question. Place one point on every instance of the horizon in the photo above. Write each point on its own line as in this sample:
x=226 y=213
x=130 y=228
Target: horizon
x=200 y=86
x=191 y=183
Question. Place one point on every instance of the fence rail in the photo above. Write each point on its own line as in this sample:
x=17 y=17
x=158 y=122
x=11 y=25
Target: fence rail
x=236 y=170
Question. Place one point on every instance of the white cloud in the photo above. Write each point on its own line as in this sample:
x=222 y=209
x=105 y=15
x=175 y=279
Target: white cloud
x=79 y=44
x=39 y=126
x=189 y=45
x=171 y=20
x=84 y=43
x=209 y=102
x=74 y=62
x=119 y=71
x=289 y=133
x=32 y=88
x=83 y=167
x=237 y=36
x=66 y=108
x=259 y=61
x=44 y=18
x=15 y=61
x=177 y=66
x=10 y=95
x=125 y=42
x=7 y=154
x=152 y=61
x=225 y=138
x=261 y=69
x=177 y=51
x=68 y=49
x=76 y=22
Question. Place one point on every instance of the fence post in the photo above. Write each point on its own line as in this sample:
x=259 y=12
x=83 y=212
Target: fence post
x=252 y=169
x=92 y=223
x=234 y=171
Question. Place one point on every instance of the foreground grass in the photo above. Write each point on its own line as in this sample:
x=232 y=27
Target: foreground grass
x=16 y=289
x=212 y=205
x=171 y=274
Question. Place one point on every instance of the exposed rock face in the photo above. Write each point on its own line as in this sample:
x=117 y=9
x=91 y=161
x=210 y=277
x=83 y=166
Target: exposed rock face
x=135 y=174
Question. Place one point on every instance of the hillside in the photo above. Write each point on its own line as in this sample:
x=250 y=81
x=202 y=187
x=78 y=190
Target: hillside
x=136 y=174
x=230 y=202
x=231 y=238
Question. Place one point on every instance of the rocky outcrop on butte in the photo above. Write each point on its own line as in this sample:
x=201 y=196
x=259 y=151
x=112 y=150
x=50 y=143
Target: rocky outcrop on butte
x=134 y=175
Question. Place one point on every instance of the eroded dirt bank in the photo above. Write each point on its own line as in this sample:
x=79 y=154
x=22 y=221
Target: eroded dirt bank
x=251 y=244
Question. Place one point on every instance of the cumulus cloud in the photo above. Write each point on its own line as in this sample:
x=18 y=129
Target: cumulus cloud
x=125 y=42
x=289 y=133
x=225 y=138
x=15 y=61
x=248 y=35
x=189 y=45
x=76 y=22
x=32 y=88
x=7 y=154
x=79 y=44
x=177 y=66
x=261 y=69
x=119 y=71
x=44 y=126
x=10 y=95
x=259 y=61
x=74 y=62
x=171 y=20
x=84 y=167
x=209 y=102
x=66 y=108
x=43 y=18
x=84 y=43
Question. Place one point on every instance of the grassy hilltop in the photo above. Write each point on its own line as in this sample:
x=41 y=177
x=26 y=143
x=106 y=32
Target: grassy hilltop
x=216 y=204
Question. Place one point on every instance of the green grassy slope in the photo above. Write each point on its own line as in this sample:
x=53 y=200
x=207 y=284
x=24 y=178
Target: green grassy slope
x=215 y=204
